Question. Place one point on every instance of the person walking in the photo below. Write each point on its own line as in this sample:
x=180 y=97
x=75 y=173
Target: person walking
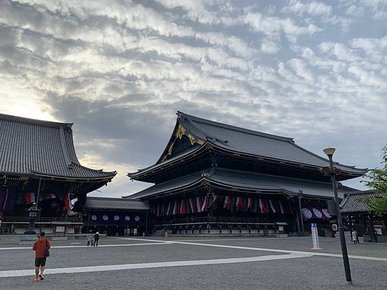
x=41 y=246
x=96 y=239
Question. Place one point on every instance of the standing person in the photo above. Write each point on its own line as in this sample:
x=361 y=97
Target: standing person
x=90 y=241
x=96 y=239
x=355 y=237
x=41 y=245
x=375 y=235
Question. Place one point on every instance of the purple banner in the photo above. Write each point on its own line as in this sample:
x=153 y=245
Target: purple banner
x=112 y=218
x=315 y=213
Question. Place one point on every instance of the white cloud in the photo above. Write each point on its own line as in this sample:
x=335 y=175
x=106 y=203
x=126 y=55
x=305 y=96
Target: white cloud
x=300 y=69
x=373 y=4
x=339 y=50
x=274 y=26
x=313 y=8
x=374 y=48
x=269 y=46
x=367 y=78
x=355 y=11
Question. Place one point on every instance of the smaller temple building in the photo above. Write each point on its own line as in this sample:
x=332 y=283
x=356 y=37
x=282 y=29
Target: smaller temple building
x=115 y=216
x=359 y=216
x=40 y=175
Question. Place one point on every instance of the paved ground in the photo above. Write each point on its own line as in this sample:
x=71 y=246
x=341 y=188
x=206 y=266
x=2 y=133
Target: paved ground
x=197 y=263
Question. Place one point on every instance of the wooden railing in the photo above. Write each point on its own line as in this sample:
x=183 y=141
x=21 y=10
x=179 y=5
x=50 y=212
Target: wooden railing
x=242 y=220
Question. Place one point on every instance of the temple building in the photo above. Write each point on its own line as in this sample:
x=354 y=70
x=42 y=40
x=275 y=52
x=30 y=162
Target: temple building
x=360 y=216
x=217 y=178
x=39 y=169
x=115 y=216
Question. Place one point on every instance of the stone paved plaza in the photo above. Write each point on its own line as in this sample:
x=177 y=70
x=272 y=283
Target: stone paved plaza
x=197 y=263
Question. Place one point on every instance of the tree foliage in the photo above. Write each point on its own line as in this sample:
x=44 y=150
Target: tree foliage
x=377 y=180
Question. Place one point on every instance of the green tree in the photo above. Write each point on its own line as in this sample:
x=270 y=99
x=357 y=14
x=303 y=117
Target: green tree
x=377 y=180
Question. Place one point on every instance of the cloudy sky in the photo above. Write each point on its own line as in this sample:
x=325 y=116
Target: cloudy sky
x=119 y=69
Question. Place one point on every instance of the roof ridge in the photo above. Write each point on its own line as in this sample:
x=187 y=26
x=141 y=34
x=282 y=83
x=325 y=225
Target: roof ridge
x=234 y=128
x=206 y=135
x=32 y=121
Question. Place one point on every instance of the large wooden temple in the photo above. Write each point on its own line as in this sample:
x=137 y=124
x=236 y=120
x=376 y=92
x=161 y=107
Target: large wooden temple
x=217 y=178
x=39 y=168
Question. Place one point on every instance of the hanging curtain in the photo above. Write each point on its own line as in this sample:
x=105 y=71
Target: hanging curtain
x=263 y=206
x=281 y=207
x=227 y=202
x=169 y=209
x=175 y=210
x=272 y=206
x=30 y=197
x=199 y=203
x=192 y=205
x=67 y=202
x=182 y=207
x=205 y=204
x=250 y=204
x=187 y=206
x=238 y=203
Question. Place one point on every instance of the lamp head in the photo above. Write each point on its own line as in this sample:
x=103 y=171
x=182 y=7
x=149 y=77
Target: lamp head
x=329 y=151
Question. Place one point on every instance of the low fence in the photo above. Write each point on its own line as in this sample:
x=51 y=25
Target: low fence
x=220 y=226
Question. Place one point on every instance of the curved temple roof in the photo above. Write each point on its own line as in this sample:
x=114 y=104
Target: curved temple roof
x=356 y=201
x=250 y=143
x=41 y=148
x=255 y=143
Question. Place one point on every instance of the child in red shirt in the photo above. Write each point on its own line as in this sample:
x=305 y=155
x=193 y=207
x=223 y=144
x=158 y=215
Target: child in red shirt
x=41 y=245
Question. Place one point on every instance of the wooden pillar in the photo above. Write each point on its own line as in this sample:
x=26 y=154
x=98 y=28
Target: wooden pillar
x=296 y=215
x=146 y=222
x=300 y=211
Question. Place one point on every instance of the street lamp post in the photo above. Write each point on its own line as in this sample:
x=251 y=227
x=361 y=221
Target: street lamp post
x=329 y=152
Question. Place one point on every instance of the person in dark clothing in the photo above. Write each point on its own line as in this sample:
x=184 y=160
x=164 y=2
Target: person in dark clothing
x=96 y=239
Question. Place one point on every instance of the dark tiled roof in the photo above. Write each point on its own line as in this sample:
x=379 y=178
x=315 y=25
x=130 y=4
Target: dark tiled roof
x=170 y=161
x=243 y=141
x=114 y=203
x=175 y=184
x=244 y=181
x=354 y=201
x=256 y=143
x=41 y=148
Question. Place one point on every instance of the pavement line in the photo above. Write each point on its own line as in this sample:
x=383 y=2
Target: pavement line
x=279 y=251
x=84 y=246
x=87 y=269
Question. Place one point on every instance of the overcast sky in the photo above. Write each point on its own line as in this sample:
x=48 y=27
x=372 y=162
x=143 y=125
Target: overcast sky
x=312 y=70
